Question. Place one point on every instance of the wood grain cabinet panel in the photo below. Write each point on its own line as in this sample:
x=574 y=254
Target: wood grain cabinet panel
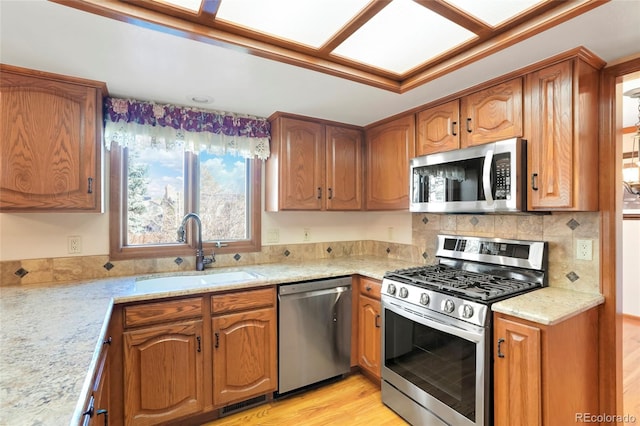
x=389 y=147
x=438 y=128
x=369 y=336
x=313 y=166
x=164 y=378
x=50 y=142
x=545 y=374
x=244 y=355
x=492 y=114
x=562 y=137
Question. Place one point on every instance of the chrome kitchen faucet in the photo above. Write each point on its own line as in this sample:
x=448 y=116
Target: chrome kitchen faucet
x=201 y=259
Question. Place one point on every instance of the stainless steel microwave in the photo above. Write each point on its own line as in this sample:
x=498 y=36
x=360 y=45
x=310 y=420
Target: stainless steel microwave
x=484 y=178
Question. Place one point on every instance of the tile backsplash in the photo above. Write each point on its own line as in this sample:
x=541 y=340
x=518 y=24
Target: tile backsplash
x=561 y=230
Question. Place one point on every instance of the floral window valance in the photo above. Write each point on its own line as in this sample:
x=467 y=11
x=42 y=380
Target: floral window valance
x=146 y=124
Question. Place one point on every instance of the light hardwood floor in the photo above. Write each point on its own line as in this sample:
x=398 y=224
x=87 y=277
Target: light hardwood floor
x=631 y=366
x=355 y=400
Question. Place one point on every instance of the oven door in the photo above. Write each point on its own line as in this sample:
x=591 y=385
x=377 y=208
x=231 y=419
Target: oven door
x=440 y=363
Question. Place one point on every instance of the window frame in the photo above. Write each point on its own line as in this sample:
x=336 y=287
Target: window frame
x=118 y=211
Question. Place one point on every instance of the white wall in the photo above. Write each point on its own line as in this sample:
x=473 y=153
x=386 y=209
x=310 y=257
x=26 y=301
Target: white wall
x=630 y=267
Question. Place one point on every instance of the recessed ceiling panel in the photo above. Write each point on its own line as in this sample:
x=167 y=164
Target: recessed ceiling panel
x=310 y=22
x=190 y=5
x=494 y=12
x=402 y=36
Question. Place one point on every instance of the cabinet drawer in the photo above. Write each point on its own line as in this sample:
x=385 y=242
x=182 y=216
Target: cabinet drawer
x=153 y=313
x=370 y=287
x=243 y=300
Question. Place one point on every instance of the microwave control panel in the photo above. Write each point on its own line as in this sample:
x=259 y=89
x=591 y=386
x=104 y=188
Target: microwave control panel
x=502 y=177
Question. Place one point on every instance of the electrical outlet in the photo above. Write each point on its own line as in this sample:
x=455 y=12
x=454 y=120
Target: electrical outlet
x=584 y=249
x=306 y=234
x=273 y=235
x=74 y=244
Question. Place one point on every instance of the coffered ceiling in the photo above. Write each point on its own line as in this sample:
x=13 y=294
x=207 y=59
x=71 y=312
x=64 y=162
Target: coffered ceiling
x=391 y=44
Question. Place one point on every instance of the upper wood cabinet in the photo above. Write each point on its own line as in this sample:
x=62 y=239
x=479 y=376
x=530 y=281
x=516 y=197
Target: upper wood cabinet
x=50 y=142
x=492 y=114
x=562 y=137
x=313 y=166
x=389 y=147
x=438 y=128
x=545 y=374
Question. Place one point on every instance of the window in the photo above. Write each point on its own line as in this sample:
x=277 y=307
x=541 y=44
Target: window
x=152 y=189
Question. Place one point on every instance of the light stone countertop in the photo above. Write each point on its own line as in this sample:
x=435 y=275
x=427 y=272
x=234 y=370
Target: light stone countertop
x=50 y=335
x=549 y=305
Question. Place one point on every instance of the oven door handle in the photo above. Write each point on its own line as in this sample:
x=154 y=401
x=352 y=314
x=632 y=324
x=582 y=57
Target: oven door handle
x=486 y=176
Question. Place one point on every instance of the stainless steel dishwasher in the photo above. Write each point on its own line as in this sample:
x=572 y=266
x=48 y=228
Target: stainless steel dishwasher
x=314 y=332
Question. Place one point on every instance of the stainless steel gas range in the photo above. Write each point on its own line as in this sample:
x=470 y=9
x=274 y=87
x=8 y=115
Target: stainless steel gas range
x=436 y=327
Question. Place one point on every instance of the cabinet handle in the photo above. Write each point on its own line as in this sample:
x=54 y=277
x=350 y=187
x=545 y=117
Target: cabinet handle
x=90 y=189
x=217 y=340
x=106 y=416
x=469 y=125
x=377 y=323
x=107 y=342
x=368 y=288
x=319 y=193
x=199 y=346
x=330 y=193
x=500 y=342
x=534 y=181
x=453 y=128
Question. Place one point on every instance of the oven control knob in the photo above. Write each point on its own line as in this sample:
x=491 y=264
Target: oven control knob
x=404 y=292
x=424 y=299
x=448 y=306
x=467 y=311
x=391 y=289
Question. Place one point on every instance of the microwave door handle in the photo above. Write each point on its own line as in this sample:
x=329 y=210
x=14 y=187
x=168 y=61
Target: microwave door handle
x=486 y=176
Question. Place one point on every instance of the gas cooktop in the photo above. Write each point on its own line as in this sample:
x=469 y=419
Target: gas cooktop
x=475 y=285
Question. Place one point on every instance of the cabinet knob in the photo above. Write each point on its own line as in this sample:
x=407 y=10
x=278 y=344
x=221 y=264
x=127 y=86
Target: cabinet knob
x=107 y=341
x=368 y=288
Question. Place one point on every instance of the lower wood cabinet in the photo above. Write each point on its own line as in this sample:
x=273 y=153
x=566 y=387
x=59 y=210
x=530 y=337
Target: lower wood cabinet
x=185 y=358
x=369 y=327
x=245 y=342
x=97 y=407
x=164 y=377
x=545 y=375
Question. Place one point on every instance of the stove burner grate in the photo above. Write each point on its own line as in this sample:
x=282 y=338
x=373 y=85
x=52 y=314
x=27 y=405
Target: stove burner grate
x=475 y=285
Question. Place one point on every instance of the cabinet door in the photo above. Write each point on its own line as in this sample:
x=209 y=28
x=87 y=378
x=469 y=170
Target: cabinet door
x=301 y=165
x=438 y=128
x=550 y=135
x=244 y=355
x=492 y=114
x=389 y=148
x=344 y=169
x=163 y=373
x=517 y=374
x=370 y=321
x=101 y=389
x=50 y=136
